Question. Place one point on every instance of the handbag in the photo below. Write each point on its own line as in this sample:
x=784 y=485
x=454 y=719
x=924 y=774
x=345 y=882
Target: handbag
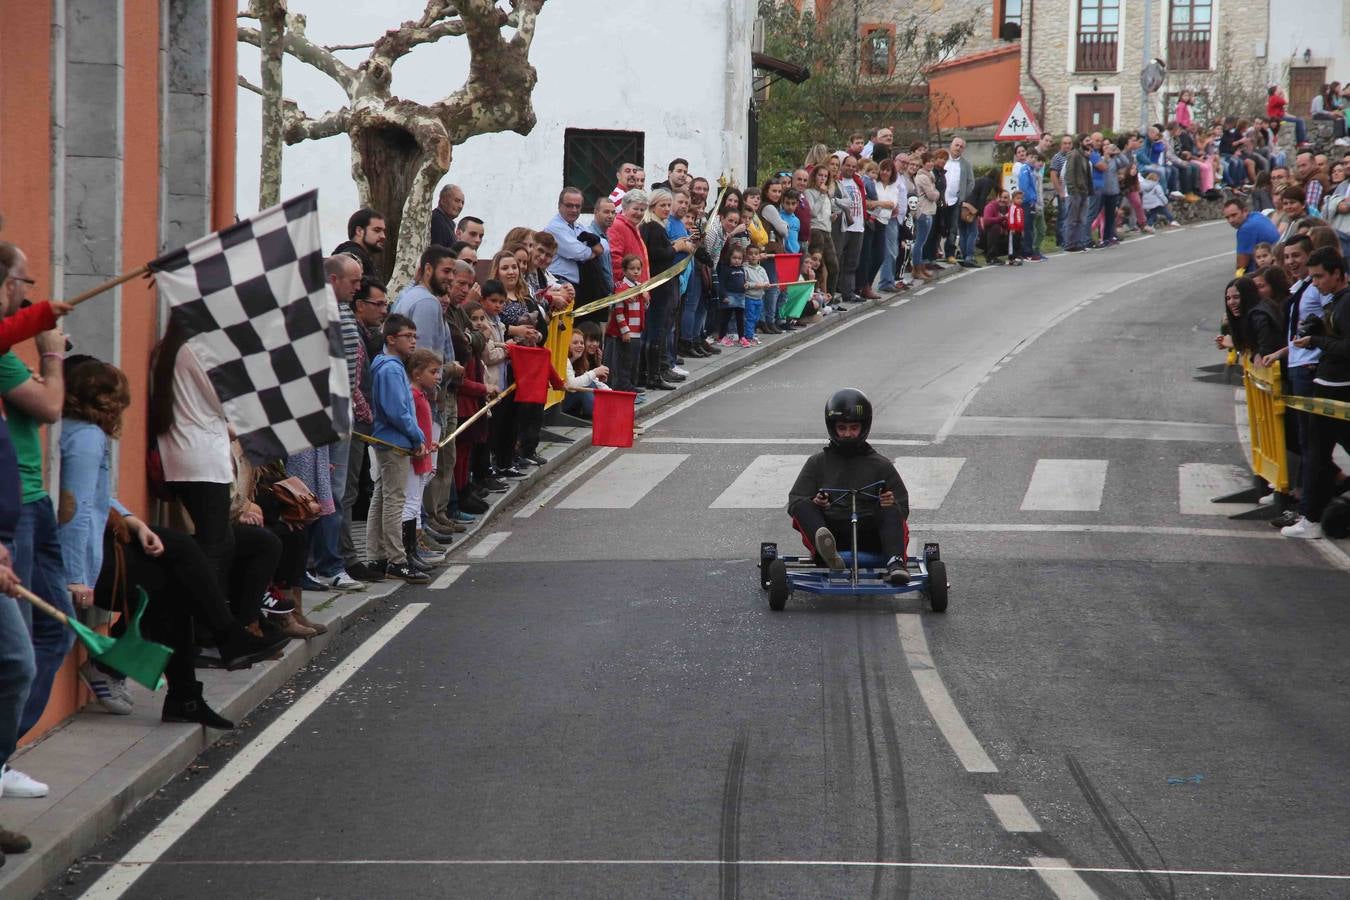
x=299 y=506
x=968 y=213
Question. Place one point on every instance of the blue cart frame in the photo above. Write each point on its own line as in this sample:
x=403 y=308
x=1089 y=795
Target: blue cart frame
x=863 y=573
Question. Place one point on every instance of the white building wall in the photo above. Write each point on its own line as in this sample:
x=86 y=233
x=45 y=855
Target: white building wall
x=1322 y=26
x=603 y=64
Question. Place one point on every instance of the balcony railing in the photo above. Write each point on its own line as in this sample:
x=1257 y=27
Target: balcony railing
x=1187 y=50
x=1096 y=52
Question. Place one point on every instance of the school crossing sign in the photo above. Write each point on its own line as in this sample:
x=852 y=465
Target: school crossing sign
x=1018 y=124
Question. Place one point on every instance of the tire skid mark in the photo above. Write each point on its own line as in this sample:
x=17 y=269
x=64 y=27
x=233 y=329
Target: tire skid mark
x=1152 y=887
x=730 y=839
x=902 y=848
x=877 y=809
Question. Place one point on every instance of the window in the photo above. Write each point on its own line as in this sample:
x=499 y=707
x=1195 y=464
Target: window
x=1008 y=20
x=1188 y=34
x=878 y=50
x=590 y=159
x=1098 y=35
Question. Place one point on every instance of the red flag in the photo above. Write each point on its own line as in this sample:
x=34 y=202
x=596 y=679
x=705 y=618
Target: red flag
x=531 y=365
x=788 y=266
x=612 y=419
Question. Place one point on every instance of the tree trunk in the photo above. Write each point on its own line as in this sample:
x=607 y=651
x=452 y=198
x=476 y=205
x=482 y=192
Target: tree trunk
x=397 y=177
x=272 y=19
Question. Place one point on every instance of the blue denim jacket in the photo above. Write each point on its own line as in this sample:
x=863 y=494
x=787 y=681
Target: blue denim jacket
x=86 y=465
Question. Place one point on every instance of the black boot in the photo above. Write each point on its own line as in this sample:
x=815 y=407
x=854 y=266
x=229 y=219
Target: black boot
x=415 y=560
x=188 y=706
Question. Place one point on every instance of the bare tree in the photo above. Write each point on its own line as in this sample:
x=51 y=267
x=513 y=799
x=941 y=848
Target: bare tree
x=402 y=149
x=858 y=80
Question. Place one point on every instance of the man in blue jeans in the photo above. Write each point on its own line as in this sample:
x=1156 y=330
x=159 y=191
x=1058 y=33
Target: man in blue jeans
x=29 y=403
x=16 y=646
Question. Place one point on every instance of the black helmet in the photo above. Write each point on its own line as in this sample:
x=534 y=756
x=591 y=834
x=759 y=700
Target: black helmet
x=848 y=405
x=1336 y=517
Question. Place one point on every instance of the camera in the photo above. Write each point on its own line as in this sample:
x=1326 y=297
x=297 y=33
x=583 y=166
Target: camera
x=1312 y=326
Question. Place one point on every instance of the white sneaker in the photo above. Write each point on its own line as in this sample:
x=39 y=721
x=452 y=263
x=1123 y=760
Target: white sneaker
x=344 y=582
x=14 y=783
x=1303 y=528
x=680 y=370
x=1176 y=195
x=1267 y=500
x=110 y=693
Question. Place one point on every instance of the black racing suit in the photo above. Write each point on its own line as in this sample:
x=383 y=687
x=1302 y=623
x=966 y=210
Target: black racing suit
x=880 y=529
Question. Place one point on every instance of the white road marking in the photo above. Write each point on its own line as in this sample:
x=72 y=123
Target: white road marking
x=1012 y=813
x=1110 y=429
x=813 y=441
x=763 y=484
x=934 y=693
x=1200 y=483
x=1061 y=878
x=1066 y=484
x=622 y=483
x=1031 y=338
x=1333 y=554
x=921 y=291
x=488 y=544
x=448 y=577
x=1209 y=224
x=562 y=482
x=1145 y=530
x=1047 y=864
x=116 y=881
x=928 y=478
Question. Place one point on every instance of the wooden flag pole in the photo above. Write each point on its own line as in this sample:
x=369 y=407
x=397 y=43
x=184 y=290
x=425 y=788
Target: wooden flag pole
x=109 y=285
x=376 y=442
x=474 y=418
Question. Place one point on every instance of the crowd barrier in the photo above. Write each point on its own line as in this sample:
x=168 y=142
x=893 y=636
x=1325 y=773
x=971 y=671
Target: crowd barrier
x=1267 y=406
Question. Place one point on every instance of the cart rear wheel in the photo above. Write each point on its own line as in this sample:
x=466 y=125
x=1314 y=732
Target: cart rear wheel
x=778 y=585
x=937 y=586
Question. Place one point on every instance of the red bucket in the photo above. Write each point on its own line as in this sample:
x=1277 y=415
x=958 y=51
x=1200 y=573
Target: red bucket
x=531 y=365
x=612 y=419
x=787 y=266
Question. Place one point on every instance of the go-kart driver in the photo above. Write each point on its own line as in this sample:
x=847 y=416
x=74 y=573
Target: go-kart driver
x=849 y=462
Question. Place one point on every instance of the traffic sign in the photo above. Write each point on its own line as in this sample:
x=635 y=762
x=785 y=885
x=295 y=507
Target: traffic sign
x=1018 y=124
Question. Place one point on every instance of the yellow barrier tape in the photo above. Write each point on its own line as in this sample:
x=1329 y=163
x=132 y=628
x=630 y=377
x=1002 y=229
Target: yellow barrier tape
x=656 y=281
x=1321 y=406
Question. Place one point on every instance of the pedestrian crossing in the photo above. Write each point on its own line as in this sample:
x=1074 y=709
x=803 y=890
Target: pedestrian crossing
x=1051 y=485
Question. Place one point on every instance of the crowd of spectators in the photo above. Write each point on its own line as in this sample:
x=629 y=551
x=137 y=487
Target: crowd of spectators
x=850 y=225
x=1287 y=307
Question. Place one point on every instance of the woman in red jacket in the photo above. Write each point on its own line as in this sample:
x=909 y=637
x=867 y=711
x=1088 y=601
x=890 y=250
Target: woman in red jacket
x=624 y=241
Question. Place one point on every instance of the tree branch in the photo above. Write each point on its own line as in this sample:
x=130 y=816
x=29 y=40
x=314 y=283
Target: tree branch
x=248 y=85
x=300 y=127
x=334 y=47
x=305 y=50
x=437 y=21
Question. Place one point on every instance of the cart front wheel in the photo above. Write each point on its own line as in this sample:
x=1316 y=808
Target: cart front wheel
x=937 y=586
x=778 y=585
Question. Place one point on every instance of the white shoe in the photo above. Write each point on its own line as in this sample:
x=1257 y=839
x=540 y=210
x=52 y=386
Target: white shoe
x=1303 y=528
x=339 y=582
x=14 y=783
x=680 y=370
x=1267 y=500
x=1176 y=195
x=110 y=693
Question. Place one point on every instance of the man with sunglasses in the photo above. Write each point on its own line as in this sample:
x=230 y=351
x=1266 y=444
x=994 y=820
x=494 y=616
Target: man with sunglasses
x=371 y=307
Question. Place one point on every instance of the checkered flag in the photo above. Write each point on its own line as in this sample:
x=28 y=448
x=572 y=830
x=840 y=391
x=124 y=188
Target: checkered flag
x=264 y=324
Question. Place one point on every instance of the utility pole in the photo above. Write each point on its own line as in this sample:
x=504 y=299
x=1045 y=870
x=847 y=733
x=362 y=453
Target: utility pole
x=1148 y=57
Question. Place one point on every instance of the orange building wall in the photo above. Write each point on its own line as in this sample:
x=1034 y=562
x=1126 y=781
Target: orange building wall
x=140 y=233
x=25 y=144
x=975 y=92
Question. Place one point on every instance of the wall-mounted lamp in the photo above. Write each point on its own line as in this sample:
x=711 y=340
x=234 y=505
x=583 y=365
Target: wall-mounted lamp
x=1307 y=56
x=1095 y=85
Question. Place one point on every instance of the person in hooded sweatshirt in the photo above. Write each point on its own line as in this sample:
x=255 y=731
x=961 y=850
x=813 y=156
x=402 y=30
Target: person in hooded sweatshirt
x=849 y=462
x=395 y=426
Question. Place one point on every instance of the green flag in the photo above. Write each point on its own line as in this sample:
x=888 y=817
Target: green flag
x=797 y=297
x=141 y=660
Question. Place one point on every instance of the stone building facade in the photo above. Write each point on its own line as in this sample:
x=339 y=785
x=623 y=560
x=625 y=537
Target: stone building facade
x=1082 y=59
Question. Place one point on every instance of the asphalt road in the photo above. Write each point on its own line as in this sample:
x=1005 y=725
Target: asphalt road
x=602 y=704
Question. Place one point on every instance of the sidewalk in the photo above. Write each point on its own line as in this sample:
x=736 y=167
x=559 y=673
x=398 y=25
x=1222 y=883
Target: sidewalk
x=101 y=767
